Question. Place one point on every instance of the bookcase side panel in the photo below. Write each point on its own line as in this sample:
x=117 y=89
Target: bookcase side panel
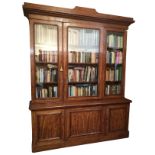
x=32 y=59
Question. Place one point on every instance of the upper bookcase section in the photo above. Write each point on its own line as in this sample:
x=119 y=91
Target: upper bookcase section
x=81 y=13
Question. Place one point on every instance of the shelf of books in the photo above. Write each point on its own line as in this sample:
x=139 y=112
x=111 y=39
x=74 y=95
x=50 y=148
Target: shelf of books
x=46 y=60
x=83 y=55
x=114 y=60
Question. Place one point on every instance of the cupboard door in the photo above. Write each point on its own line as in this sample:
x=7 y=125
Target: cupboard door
x=83 y=61
x=46 y=60
x=117 y=118
x=48 y=128
x=115 y=63
x=85 y=122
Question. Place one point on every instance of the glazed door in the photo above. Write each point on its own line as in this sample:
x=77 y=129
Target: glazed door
x=46 y=43
x=115 y=63
x=82 y=61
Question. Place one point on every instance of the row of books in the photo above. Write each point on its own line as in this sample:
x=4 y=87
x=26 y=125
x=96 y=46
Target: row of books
x=115 y=41
x=46 y=56
x=46 y=34
x=82 y=90
x=114 y=57
x=45 y=75
x=82 y=74
x=83 y=57
x=83 y=39
x=49 y=92
x=112 y=89
x=114 y=74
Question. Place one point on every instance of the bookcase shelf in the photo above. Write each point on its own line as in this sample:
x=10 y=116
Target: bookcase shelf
x=113 y=65
x=114 y=48
x=47 y=83
x=77 y=76
x=113 y=82
x=82 y=64
x=76 y=83
x=46 y=63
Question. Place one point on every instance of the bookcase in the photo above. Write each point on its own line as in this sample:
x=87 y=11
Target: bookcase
x=78 y=59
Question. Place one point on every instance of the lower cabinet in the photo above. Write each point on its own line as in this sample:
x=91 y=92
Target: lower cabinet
x=73 y=126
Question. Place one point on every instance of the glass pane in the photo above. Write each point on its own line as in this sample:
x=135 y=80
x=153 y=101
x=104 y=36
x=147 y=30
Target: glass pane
x=46 y=57
x=114 y=60
x=83 y=55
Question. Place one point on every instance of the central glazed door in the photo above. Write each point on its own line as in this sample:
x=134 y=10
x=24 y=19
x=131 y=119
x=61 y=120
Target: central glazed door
x=83 y=58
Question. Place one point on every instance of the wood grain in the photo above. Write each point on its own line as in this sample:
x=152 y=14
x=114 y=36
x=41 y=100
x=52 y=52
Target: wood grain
x=67 y=121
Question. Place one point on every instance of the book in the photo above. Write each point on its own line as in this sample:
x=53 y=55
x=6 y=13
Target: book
x=114 y=40
x=46 y=56
x=82 y=74
x=113 y=73
x=83 y=39
x=114 y=57
x=46 y=92
x=46 y=74
x=82 y=57
x=112 y=89
x=46 y=34
x=82 y=90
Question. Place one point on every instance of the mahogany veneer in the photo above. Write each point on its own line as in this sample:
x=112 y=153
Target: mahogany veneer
x=66 y=121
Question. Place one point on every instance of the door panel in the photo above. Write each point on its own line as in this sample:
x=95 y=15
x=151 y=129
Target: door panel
x=48 y=127
x=118 y=118
x=85 y=122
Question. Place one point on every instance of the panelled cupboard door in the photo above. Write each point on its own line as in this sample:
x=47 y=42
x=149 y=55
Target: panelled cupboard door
x=46 y=61
x=47 y=128
x=85 y=123
x=83 y=52
x=117 y=119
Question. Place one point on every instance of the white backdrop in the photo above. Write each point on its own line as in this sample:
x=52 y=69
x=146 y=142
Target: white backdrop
x=15 y=120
